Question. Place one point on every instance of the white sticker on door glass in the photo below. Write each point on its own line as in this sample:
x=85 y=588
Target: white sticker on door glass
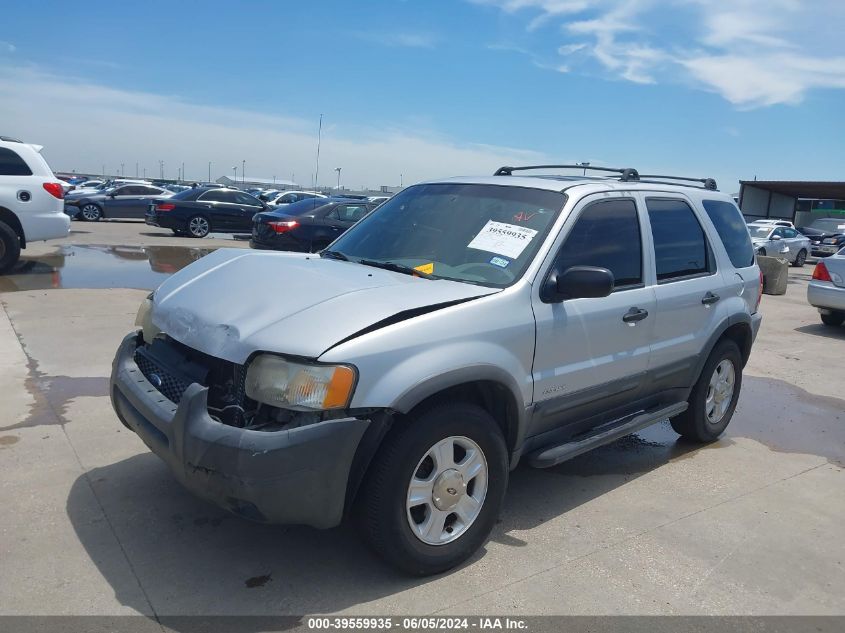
x=503 y=239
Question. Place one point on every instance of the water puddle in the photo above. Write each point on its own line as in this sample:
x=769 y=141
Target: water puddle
x=91 y=266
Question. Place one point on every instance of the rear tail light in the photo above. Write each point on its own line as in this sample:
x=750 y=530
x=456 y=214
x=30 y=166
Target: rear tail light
x=283 y=227
x=820 y=272
x=54 y=189
x=165 y=206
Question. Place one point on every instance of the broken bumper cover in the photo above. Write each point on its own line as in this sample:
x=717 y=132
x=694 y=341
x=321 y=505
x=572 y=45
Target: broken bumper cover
x=297 y=476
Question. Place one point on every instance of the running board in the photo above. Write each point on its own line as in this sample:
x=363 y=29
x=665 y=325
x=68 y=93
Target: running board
x=552 y=456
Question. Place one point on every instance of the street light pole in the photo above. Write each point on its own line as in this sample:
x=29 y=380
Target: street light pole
x=319 y=138
x=243 y=172
x=136 y=169
x=235 y=172
x=337 y=169
x=209 y=171
x=122 y=173
x=584 y=165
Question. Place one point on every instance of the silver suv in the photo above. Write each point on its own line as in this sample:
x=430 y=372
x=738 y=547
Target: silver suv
x=462 y=327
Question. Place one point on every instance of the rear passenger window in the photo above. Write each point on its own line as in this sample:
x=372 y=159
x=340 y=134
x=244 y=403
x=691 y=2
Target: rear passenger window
x=680 y=248
x=606 y=234
x=732 y=230
x=12 y=165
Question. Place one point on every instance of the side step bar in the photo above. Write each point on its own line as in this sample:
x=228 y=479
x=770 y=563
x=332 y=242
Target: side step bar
x=552 y=456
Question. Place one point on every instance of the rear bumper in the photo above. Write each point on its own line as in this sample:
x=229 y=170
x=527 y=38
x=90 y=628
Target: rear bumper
x=298 y=476
x=45 y=225
x=825 y=295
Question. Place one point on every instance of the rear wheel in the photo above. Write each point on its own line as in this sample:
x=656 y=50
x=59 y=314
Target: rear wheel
x=714 y=397
x=800 y=258
x=199 y=226
x=834 y=319
x=10 y=248
x=91 y=212
x=434 y=491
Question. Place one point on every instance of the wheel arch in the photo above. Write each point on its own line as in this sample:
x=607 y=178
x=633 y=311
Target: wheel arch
x=737 y=329
x=9 y=217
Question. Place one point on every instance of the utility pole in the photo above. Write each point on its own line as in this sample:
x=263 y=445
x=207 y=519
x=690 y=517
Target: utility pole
x=243 y=172
x=209 y=171
x=235 y=172
x=337 y=169
x=319 y=138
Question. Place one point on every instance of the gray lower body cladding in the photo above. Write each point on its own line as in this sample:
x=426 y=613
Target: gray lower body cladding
x=294 y=476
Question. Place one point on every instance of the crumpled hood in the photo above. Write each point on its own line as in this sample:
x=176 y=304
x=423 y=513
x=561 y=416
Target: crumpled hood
x=234 y=302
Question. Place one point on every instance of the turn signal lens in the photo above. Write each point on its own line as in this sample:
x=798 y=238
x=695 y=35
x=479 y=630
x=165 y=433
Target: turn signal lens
x=820 y=272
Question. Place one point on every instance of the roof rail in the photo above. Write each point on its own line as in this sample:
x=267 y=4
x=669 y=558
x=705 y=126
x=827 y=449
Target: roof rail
x=625 y=174
x=9 y=139
x=707 y=183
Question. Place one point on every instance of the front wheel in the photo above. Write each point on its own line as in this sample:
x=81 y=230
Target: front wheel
x=199 y=226
x=800 y=258
x=834 y=319
x=10 y=248
x=713 y=399
x=434 y=491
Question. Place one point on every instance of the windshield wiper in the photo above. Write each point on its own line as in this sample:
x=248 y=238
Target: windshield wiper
x=334 y=255
x=398 y=268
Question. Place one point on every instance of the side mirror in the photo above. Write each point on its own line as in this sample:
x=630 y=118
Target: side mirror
x=578 y=282
x=775 y=238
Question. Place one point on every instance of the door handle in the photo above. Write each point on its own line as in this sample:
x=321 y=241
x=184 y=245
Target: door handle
x=709 y=298
x=633 y=315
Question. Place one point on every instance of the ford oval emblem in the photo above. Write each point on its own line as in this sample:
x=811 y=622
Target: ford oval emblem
x=155 y=379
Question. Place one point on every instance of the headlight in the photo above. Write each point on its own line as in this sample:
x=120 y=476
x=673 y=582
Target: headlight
x=283 y=383
x=144 y=319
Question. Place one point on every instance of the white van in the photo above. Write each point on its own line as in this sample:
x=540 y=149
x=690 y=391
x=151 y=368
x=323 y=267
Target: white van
x=31 y=207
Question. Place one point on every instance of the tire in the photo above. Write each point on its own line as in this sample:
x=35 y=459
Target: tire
x=387 y=513
x=697 y=423
x=761 y=252
x=833 y=319
x=91 y=212
x=800 y=258
x=198 y=226
x=10 y=248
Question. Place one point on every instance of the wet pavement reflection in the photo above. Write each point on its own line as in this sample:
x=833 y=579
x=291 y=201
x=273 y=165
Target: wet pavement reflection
x=91 y=266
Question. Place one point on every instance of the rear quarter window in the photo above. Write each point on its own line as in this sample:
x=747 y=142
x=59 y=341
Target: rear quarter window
x=11 y=164
x=732 y=230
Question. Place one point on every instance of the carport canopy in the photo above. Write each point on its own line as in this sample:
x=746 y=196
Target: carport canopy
x=778 y=198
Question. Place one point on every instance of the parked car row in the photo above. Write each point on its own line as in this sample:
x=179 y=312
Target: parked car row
x=781 y=238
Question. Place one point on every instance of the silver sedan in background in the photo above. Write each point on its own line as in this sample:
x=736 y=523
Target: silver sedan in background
x=827 y=289
x=780 y=241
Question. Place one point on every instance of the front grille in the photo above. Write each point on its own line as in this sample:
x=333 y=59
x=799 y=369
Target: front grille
x=171 y=387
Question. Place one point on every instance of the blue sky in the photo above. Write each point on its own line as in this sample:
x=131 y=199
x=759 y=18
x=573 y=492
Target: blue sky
x=430 y=88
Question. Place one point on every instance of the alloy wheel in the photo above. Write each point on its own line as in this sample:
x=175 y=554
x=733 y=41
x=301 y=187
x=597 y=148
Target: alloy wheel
x=198 y=226
x=447 y=490
x=91 y=212
x=720 y=391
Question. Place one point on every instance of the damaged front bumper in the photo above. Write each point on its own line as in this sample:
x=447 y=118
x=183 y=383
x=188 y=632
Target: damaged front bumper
x=295 y=476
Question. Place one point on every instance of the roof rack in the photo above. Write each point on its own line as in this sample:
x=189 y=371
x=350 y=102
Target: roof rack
x=625 y=174
x=707 y=183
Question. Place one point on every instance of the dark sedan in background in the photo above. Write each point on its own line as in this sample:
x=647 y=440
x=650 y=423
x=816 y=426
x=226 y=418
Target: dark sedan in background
x=125 y=201
x=307 y=226
x=201 y=210
x=826 y=234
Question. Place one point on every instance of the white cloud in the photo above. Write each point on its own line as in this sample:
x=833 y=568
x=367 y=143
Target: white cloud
x=7 y=47
x=85 y=125
x=752 y=52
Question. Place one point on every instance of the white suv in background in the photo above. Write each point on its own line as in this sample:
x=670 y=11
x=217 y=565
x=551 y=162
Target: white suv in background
x=31 y=207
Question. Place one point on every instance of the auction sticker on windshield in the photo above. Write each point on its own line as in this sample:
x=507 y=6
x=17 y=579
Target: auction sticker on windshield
x=503 y=239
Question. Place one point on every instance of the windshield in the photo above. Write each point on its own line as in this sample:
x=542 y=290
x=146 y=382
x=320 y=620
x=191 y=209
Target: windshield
x=760 y=231
x=484 y=234
x=832 y=225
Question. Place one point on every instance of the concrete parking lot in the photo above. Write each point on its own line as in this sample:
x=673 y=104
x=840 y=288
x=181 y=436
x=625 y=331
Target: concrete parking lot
x=93 y=523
